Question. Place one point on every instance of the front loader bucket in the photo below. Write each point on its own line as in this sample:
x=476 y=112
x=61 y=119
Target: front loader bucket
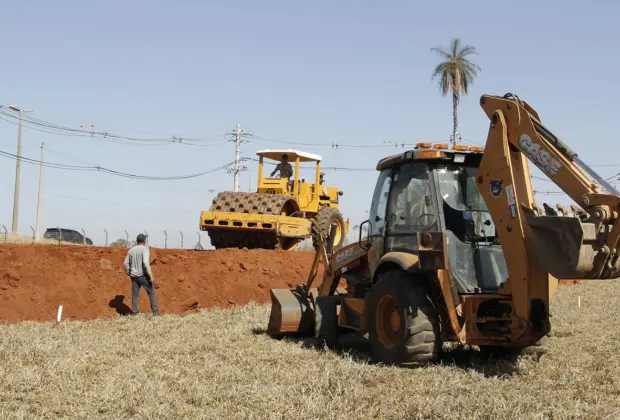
x=292 y=312
x=569 y=249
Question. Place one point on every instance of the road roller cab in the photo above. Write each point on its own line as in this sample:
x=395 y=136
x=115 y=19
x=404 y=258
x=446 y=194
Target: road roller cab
x=311 y=195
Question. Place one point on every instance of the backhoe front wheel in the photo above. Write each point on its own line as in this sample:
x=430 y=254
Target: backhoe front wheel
x=322 y=224
x=326 y=321
x=403 y=323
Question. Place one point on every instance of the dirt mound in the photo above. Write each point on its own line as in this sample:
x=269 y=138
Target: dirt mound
x=91 y=283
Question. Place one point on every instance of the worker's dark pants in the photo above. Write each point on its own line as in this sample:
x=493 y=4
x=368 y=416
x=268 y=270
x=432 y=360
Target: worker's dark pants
x=136 y=283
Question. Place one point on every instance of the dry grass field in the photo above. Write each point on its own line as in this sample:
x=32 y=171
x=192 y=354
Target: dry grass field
x=219 y=364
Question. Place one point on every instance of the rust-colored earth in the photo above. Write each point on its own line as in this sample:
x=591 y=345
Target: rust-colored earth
x=90 y=282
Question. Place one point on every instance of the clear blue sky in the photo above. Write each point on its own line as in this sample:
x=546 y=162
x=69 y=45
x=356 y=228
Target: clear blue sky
x=319 y=72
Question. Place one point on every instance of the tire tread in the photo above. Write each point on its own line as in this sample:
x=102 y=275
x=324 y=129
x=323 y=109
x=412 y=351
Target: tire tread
x=422 y=342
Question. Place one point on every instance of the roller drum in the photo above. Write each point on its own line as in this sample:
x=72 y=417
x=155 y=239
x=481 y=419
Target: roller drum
x=252 y=203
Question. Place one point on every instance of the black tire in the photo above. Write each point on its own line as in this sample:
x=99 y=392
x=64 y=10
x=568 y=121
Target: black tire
x=417 y=340
x=326 y=321
x=321 y=224
x=536 y=350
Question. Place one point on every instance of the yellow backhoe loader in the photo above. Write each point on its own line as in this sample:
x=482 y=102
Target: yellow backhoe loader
x=281 y=213
x=457 y=250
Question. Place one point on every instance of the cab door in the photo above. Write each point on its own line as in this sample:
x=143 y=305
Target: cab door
x=377 y=217
x=411 y=207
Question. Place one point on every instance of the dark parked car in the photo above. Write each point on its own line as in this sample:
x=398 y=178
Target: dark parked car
x=66 y=235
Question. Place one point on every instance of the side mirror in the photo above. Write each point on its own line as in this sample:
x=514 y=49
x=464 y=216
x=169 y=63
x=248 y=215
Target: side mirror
x=368 y=244
x=340 y=193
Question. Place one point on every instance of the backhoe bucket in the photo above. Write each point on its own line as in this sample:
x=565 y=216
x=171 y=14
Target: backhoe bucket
x=292 y=312
x=570 y=249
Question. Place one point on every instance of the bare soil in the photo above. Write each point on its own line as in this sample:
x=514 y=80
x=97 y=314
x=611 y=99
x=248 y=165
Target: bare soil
x=90 y=282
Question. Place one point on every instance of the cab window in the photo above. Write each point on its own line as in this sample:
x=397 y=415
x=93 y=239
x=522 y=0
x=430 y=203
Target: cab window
x=379 y=203
x=411 y=206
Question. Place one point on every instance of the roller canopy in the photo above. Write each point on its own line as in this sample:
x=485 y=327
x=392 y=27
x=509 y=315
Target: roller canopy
x=276 y=154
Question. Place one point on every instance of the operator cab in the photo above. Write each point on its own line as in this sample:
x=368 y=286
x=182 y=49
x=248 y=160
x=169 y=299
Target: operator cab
x=279 y=184
x=433 y=189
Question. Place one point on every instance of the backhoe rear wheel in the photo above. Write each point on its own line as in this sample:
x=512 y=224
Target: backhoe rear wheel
x=322 y=224
x=403 y=322
x=536 y=350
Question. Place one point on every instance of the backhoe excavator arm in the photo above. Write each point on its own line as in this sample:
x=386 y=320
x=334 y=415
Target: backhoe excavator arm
x=538 y=249
x=558 y=161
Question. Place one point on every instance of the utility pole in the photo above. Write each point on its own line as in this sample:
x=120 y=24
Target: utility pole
x=18 y=165
x=40 y=194
x=238 y=168
x=237 y=155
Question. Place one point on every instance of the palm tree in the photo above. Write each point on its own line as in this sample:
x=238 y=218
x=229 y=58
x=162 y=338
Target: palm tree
x=456 y=74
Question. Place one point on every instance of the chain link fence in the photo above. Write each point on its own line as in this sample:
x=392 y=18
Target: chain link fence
x=122 y=238
x=125 y=238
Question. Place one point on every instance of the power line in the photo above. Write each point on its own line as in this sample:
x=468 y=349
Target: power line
x=549 y=192
x=39 y=125
x=609 y=165
x=8 y=115
x=350 y=145
x=123 y=204
x=69 y=157
x=340 y=168
x=335 y=145
x=540 y=178
x=114 y=172
x=613 y=176
x=43 y=126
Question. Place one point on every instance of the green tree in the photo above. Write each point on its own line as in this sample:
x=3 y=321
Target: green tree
x=122 y=243
x=456 y=73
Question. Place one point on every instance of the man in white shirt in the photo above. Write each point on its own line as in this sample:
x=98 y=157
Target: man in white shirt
x=138 y=268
